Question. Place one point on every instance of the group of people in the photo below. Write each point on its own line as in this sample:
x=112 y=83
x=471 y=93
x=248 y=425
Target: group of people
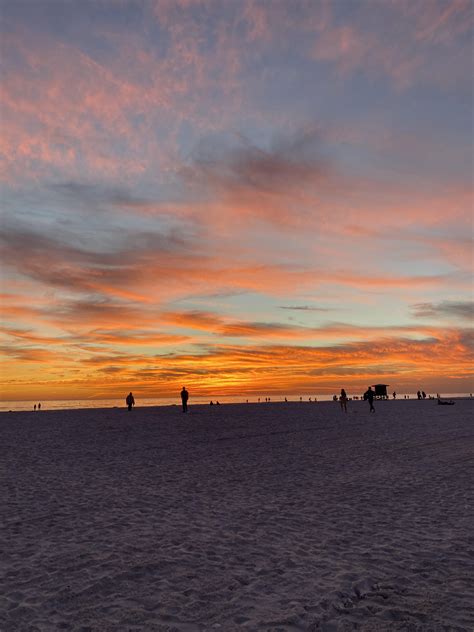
x=130 y=400
x=39 y=407
x=368 y=396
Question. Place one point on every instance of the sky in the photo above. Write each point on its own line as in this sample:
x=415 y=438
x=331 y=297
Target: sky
x=245 y=197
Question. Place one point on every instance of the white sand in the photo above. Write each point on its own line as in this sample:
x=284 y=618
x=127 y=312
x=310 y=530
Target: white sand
x=238 y=517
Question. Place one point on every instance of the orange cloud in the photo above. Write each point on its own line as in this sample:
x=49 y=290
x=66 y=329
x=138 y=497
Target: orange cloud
x=439 y=362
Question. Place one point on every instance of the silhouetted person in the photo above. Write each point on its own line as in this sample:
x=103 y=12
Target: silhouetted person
x=130 y=401
x=286 y=399
x=39 y=406
x=369 y=396
x=34 y=407
x=343 y=400
x=423 y=394
x=217 y=402
x=211 y=403
x=184 y=399
x=394 y=395
x=418 y=394
x=334 y=398
x=444 y=403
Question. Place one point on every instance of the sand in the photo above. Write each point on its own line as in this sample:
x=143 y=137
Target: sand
x=238 y=517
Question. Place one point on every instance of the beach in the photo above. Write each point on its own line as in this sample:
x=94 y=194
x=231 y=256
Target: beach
x=275 y=517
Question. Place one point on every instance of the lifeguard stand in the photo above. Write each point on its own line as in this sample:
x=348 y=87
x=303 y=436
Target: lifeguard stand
x=381 y=390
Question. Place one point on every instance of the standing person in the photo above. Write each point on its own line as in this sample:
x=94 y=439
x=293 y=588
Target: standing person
x=394 y=395
x=34 y=408
x=343 y=400
x=130 y=401
x=184 y=399
x=39 y=406
x=369 y=396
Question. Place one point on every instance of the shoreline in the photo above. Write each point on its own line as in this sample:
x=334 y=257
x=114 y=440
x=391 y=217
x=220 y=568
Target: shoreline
x=223 y=403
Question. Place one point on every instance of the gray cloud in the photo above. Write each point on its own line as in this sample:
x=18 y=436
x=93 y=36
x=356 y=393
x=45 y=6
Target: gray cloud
x=305 y=308
x=78 y=263
x=236 y=166
x=463 y=310
x=95 y=195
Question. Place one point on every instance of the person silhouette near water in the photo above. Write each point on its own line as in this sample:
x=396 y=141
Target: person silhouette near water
x=39 y=406
x=130 y=401
x=343 y=400
x=34 y=407
x=184 y=399
x=369 y=396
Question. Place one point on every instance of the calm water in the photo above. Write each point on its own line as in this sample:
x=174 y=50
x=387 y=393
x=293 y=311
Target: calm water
x=168 y=401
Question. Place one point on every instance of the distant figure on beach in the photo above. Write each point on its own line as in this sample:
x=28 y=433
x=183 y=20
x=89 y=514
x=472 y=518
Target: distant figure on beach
x=217 y=402
x=39 y=406
x=343 y=400
x=184 y=399
x=334 y=398
x=34 y=407
x=211 y=403
x=394 y=395
x=286 y=399
x=130 y=401
x=418 y=394
x=369 y=396
x=442 y=402
x=423 y=394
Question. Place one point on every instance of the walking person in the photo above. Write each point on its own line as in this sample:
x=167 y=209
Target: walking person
x=369 y=396
x=343 y=400
x=184 y=399
x=130 y=401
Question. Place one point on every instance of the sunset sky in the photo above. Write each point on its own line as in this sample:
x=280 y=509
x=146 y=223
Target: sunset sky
x=247 y=197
